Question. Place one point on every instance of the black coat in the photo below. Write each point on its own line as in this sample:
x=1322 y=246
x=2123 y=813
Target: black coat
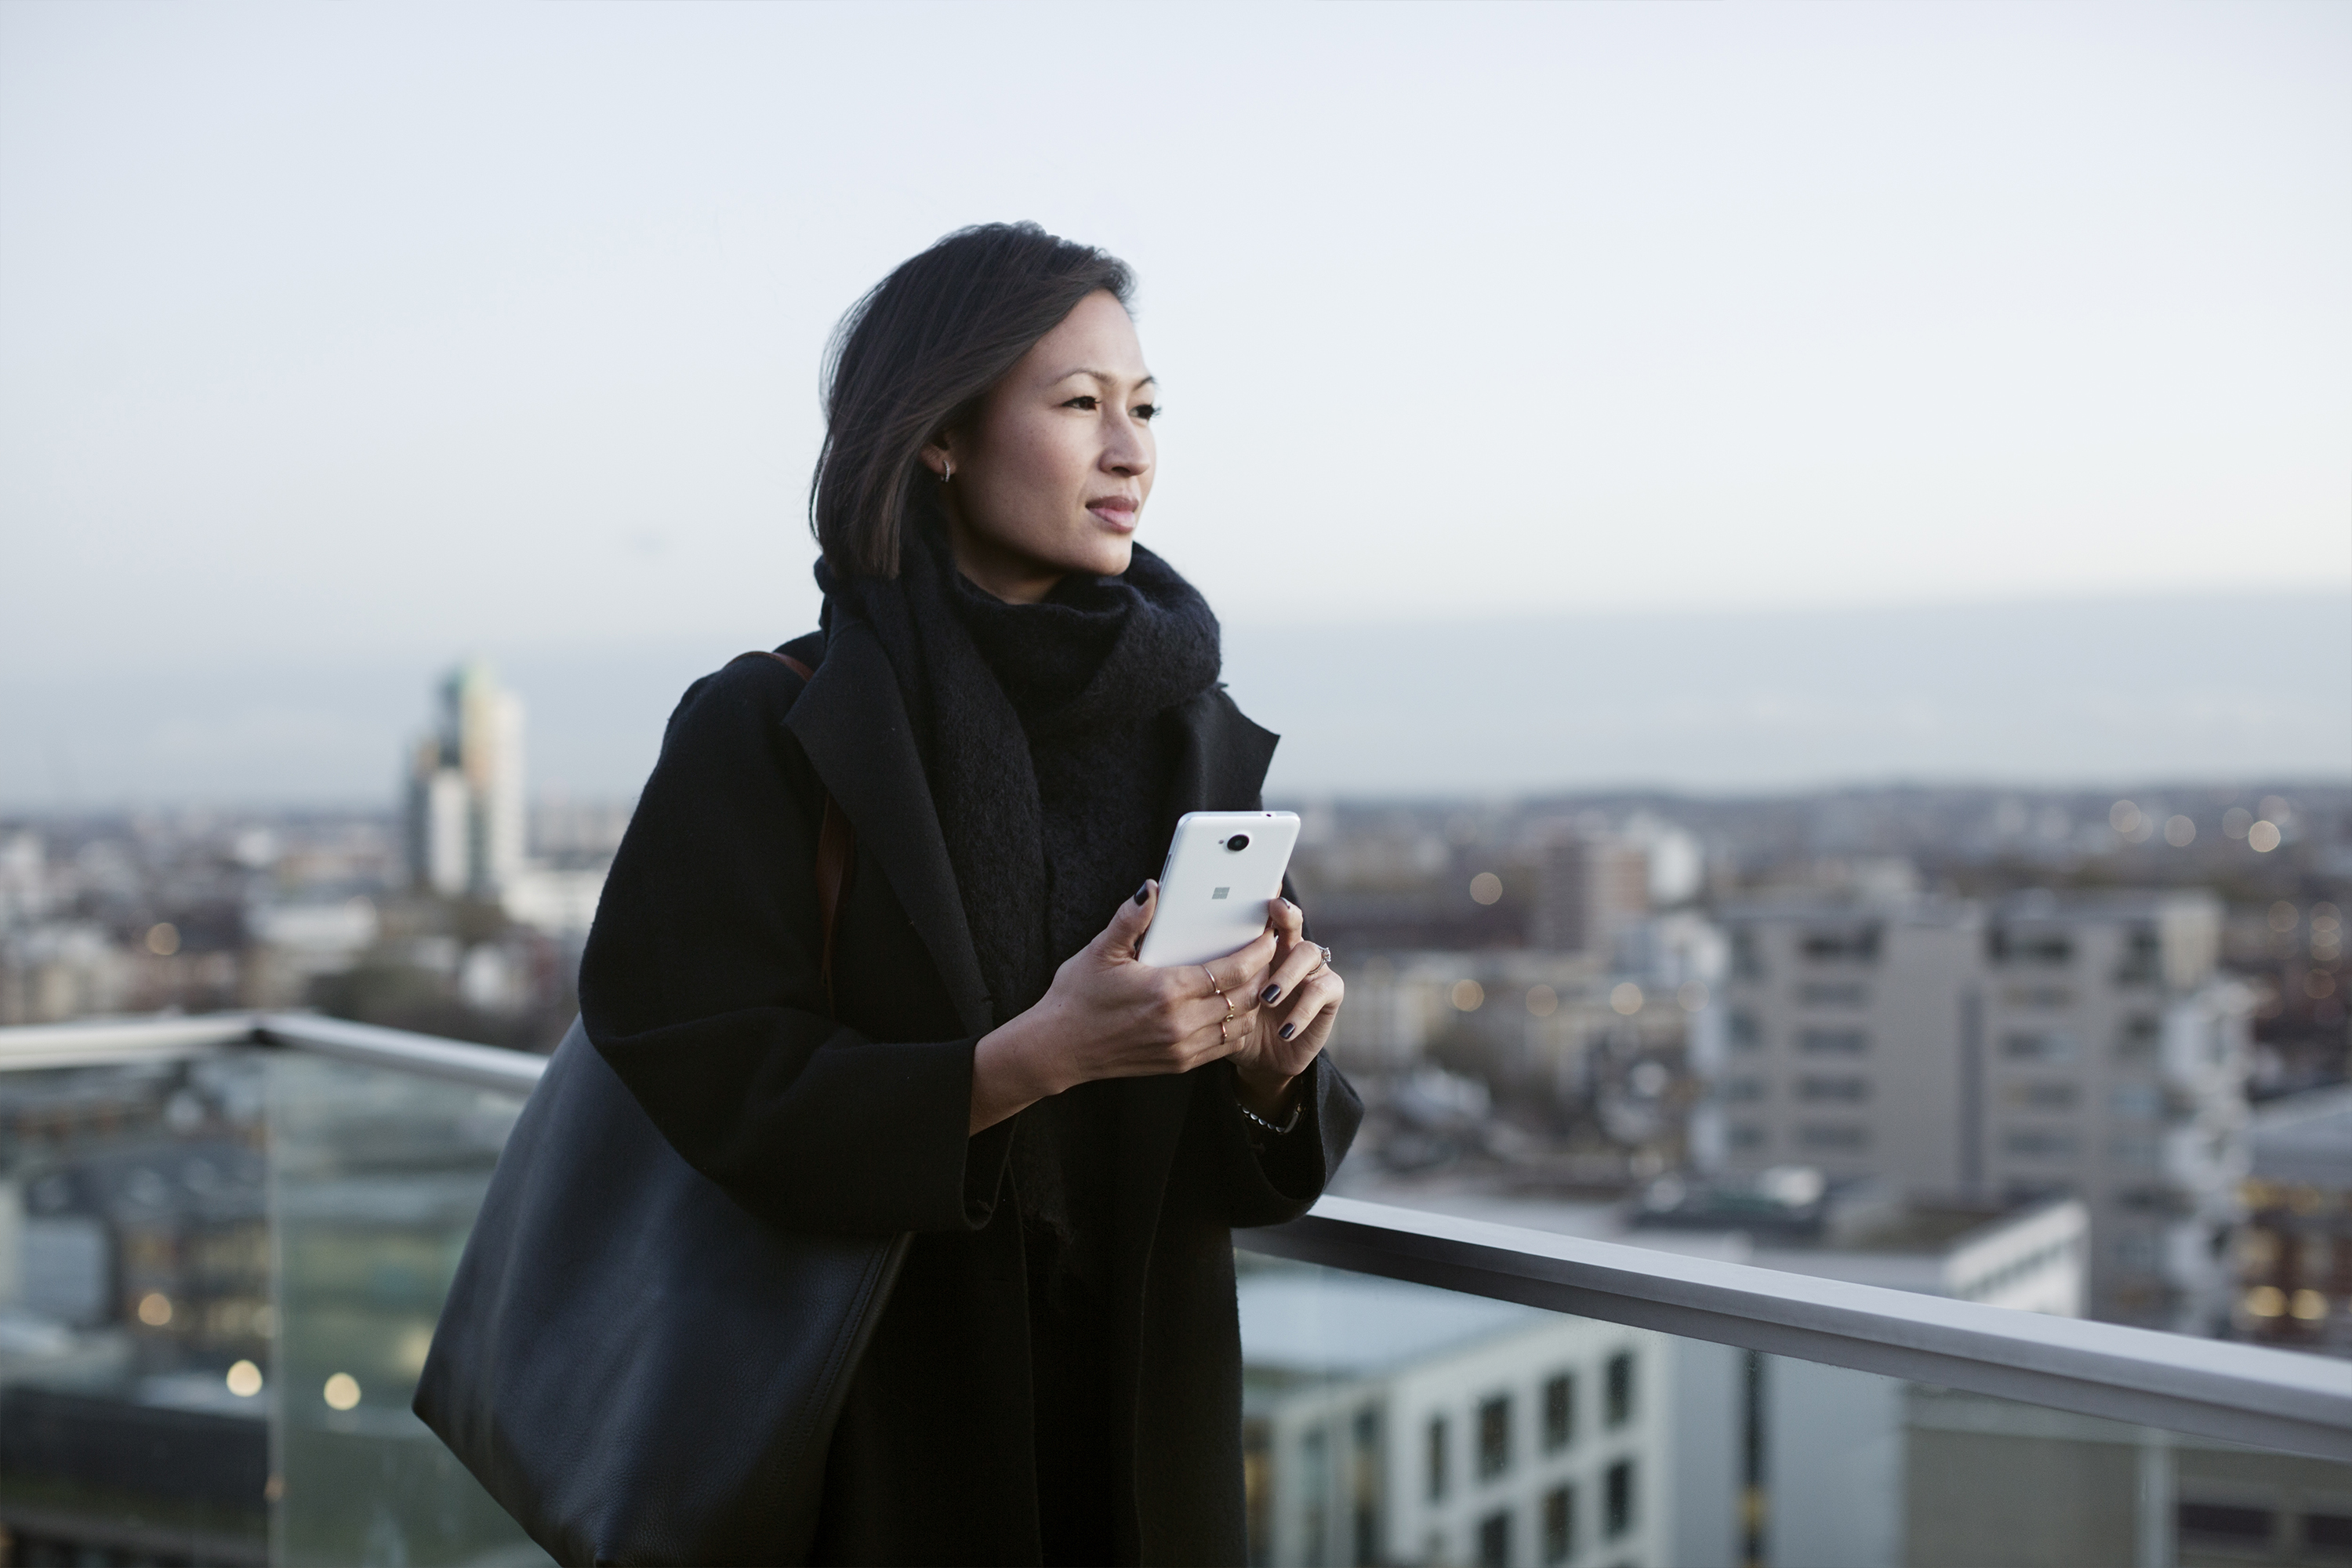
x=701 y=986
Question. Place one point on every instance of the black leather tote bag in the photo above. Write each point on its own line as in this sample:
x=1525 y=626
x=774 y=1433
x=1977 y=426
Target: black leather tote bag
x=636 y=1367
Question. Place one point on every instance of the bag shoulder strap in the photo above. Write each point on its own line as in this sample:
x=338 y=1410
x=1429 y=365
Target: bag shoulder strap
x=836 y=840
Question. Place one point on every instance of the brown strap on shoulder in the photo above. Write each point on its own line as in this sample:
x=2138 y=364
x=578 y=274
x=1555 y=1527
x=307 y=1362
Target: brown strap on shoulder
x=836 y=858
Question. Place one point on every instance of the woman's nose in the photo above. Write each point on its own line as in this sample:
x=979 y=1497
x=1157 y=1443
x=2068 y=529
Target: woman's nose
x=1126 y=452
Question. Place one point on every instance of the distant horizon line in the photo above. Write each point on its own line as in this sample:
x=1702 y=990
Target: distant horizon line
x=18 y=812
x=493 y=647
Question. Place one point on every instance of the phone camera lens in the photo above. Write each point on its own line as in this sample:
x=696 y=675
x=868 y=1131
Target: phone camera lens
x=1238 y=842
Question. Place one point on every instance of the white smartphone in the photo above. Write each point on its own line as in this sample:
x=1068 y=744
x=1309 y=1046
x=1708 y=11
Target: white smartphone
x=1222 y=866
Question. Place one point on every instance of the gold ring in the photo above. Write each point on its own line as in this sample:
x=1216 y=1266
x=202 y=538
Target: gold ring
x=1230 y=1015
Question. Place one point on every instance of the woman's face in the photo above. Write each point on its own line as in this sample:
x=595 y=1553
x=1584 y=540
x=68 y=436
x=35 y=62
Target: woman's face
x=1050 y=475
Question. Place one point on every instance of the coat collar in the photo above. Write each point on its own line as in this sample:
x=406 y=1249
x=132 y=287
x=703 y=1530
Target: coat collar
x=853 y=724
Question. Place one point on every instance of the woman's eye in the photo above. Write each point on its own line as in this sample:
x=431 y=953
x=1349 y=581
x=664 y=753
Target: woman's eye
x=1084 y=400
x=1147 y=412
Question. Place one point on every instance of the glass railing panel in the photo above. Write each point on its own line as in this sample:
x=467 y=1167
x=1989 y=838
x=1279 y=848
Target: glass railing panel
x=136 y=1319
x=376 y=1177
x=1388 y=1423
x=218 y=1278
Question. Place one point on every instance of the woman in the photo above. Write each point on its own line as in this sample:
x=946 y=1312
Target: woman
x=1012 y=703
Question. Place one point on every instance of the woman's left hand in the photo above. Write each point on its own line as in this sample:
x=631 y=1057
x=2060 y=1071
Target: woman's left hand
x=1298 y=1000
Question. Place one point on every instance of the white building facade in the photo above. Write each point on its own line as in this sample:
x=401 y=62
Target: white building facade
x=1388 y=1422
x=2088 y=1049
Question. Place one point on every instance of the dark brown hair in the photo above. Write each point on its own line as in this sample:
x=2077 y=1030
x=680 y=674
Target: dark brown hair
x=913 y=359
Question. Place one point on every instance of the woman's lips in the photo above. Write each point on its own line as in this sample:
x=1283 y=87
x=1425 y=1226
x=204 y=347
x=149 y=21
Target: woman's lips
x=1117 y=510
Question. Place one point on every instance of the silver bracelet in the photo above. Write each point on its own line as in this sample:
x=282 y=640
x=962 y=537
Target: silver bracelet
x=1270 y=1127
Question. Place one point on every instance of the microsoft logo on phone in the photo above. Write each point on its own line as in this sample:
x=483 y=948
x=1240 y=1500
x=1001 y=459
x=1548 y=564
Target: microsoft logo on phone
x=1220 y=893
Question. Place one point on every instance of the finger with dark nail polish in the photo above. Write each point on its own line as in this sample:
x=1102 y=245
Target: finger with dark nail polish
x=1143 y=892
x=1287 y=1030
x=1269 y=994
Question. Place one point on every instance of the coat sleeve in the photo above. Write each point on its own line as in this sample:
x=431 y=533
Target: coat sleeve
x=1266 y=1178
x=702 y=985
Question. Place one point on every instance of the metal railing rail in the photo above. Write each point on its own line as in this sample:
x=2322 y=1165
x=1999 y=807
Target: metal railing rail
x=2268 y=1398
x=105 y=1040
x=2211 y=1388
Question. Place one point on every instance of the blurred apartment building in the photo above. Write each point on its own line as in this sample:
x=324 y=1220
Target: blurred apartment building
x=1983 y=1054
x=1592 y=887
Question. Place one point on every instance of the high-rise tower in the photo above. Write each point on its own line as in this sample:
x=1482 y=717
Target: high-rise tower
x=465 y=791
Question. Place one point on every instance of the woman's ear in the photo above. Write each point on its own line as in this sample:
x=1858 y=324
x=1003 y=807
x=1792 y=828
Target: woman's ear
x=939 y=458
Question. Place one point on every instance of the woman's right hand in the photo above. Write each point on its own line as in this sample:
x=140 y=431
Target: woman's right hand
x=1109 y=1014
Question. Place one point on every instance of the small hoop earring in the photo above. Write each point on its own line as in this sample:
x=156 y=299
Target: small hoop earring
x=947 y=471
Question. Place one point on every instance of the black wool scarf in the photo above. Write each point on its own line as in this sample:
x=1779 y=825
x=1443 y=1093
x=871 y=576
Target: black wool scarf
x=1043 y=729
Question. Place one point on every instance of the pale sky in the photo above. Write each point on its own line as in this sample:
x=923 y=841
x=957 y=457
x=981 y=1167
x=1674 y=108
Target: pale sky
x=389 y=332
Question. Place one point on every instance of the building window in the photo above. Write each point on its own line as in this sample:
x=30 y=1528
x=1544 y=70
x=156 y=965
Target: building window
x=2327 y=1533
x=1747 y=1135
x=1746 y=961
x=1743 y=1031
x=1559 y=1413
x=1617 y=1500
x=1495 y=1541
x=1364 y=1486
x=1845 y=1088
x=1619 y=1398
x=2040 y=1142
x=1833 y=1042
x=2040 y=997
x=1257 y=1489
x=1841 y=944
x=1830 y=1138
x=1436 y=1459
x=1828 y=994
x=1743 y=1090
x=2010 y=944
x=2135 y=1041
x=1315 y=1481
x=1558 y=1524
x=2229 y=1527
x=2038 y=1045
x=2133 y=1150
x=2042 y=1096
x=2143 y=960
x=1494 y=1436
x=2136 y=1102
